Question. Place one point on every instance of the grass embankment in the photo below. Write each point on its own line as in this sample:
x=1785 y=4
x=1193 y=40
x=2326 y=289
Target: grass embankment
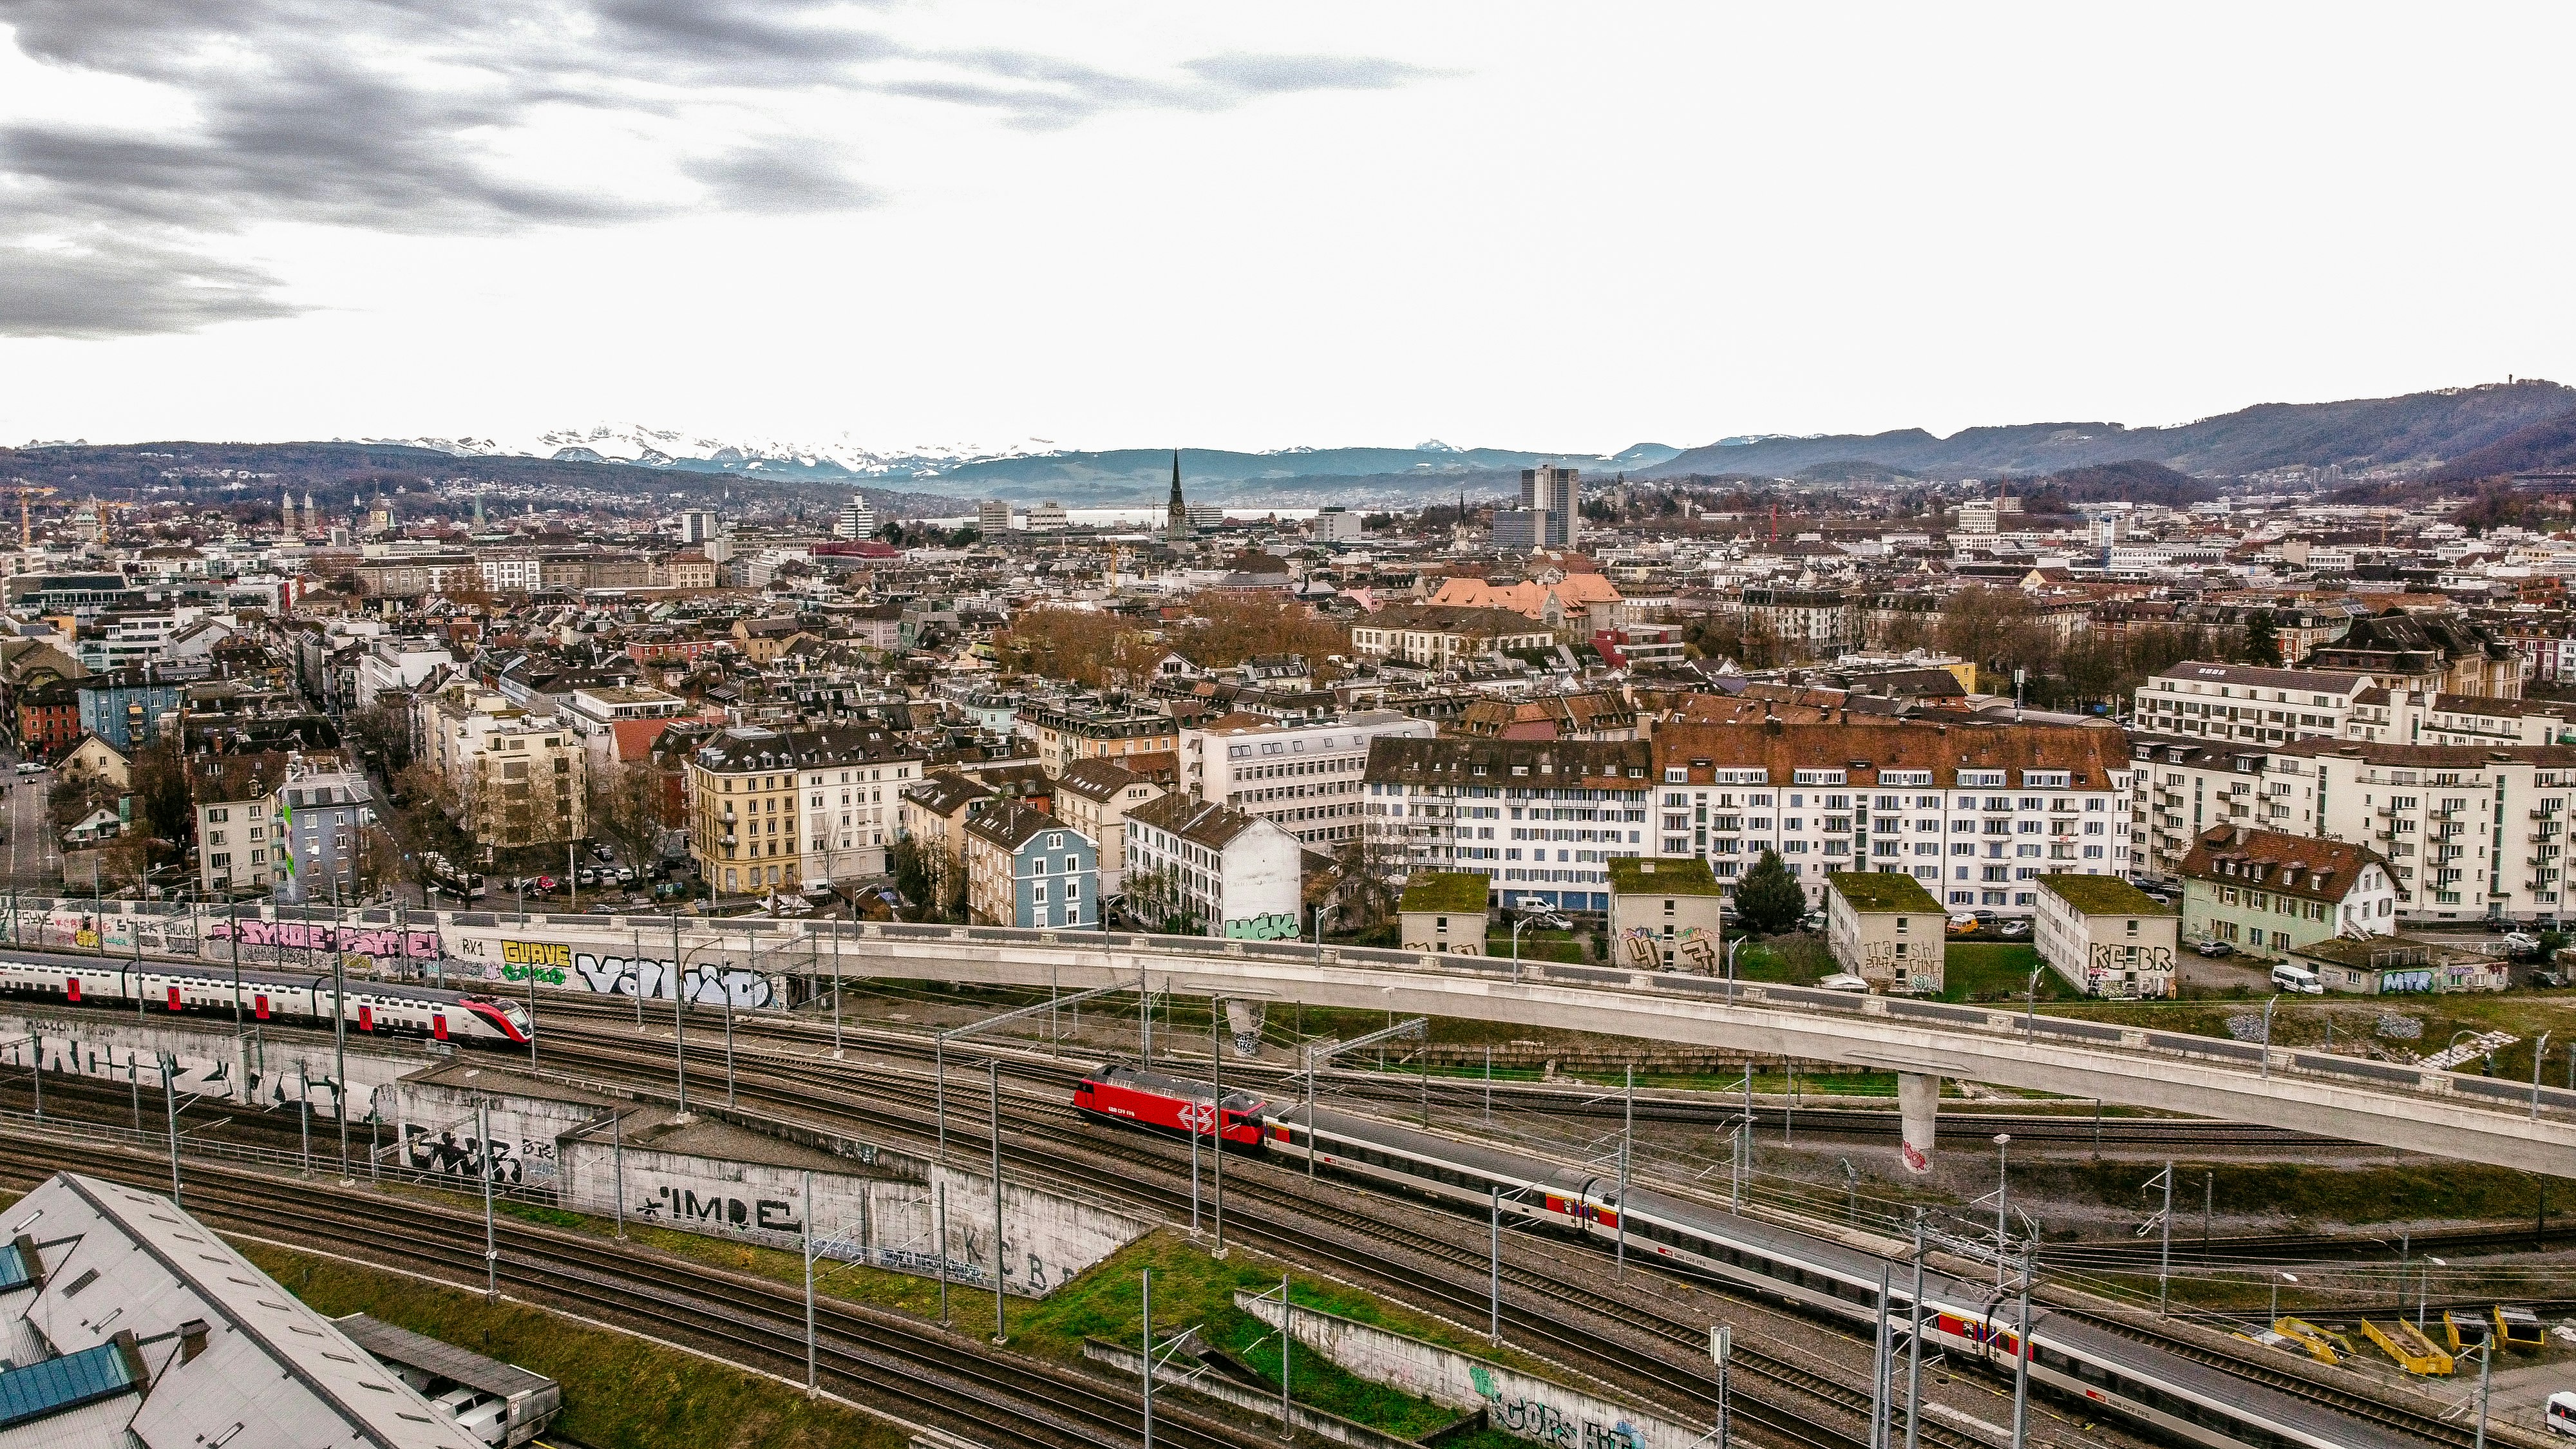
x=619 y=1391
x=1190 y=1288
x=2307 y=1195
x=1539 y=945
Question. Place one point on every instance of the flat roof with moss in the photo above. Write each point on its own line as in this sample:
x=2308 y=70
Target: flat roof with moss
x=1454 y=892
x=2104 y=895
x=1662 y=875
x=1879 y=891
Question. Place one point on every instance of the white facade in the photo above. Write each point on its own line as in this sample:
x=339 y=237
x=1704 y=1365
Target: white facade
x=2127 y=953
x=1304 y=777
x=1337 y=525
x=2244 y=704
x=1982 y=846
x=849 y=823
x=1251 y=887
x=1047 y=517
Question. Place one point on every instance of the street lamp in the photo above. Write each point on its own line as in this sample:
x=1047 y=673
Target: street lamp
x=1319 y=913
x=2267 y=1036
x=1545 y=916
x=2425 y=1288
x=2003 y=1195
x=2278 y=1278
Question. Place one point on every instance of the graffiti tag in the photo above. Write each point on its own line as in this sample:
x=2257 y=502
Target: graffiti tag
x=353 y=940
x=1277 y=926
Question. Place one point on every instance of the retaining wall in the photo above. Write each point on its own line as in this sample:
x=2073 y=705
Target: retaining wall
x=258 y=1072
x=1517 y=1403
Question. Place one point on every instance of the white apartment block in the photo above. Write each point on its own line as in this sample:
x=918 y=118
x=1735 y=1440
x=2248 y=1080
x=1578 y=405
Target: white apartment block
x=517 y=779
x=1306 y=777
x=2243 y=703
x=1975 y=813
x=1539 y=818
x=2413 y=717
x=2470 y=832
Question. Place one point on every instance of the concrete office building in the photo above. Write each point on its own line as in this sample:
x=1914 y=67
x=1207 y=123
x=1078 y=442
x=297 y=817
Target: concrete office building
x=1554 y=492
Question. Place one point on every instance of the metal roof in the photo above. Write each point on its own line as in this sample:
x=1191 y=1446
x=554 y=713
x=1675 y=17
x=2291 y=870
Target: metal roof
x=41 y=1390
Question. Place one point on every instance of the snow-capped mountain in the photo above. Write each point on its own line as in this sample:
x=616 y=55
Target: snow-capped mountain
x=651 y=447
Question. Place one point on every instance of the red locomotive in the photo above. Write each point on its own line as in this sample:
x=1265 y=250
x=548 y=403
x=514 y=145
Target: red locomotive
x=1176 y=1105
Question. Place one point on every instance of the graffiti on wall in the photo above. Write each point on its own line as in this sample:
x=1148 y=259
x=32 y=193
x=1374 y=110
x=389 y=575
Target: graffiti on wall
x=1699 y=948
x=1639 y=945
x=2108 y=957
x=450 y=1154
x=373 y=942
x=270 y=1079
x=1535 y=1419
x=1277 y=926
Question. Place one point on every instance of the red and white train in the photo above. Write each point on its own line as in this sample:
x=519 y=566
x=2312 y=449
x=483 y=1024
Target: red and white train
x=157 y=988
x=2193 y=1402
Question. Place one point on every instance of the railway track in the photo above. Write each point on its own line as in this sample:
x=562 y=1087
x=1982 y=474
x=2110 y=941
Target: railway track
x=873 y=1357
x=1570 y=1290
x=2358 y=1406
x=1377 y=1239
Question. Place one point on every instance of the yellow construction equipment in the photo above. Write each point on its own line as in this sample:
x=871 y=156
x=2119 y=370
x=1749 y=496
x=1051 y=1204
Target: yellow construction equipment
x=2311 y=1339
x=2403 y=1342
x=2463 y=1328
x=2519 y=1327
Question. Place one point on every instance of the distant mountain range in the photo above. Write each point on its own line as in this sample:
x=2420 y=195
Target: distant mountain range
x=2454 y=434
x=2423 y=429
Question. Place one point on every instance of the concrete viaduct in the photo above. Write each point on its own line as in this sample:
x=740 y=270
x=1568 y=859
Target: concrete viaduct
x=2478 y=1119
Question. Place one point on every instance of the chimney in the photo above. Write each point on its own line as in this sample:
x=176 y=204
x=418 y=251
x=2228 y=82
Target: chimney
x=192 y=1339
x=2237 y=836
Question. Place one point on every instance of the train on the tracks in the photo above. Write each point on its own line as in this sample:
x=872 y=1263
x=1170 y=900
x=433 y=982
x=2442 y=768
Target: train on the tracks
x=158 y=988
x=2148 y=1386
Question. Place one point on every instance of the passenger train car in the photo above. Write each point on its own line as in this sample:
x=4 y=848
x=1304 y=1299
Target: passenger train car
x=2176 y=1397
x=382 y=1008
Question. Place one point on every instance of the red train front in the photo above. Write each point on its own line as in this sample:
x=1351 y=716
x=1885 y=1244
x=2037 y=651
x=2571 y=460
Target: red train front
x=1177 y=1105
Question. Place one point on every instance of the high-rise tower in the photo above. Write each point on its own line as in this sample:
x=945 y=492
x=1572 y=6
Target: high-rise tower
x=1176 y=517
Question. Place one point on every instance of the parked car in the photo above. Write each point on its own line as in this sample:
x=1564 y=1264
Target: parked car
x=31 y=767
x=2549 y=978
x=2521 y=943
x=626 y=875
x=1964 y=923
x=600 y=851
x=587 y=876
x=2214 y=948
x=2015 y=927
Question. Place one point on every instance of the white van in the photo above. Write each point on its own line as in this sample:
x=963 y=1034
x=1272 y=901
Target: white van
x=2297 y=978
x=2561 y=1414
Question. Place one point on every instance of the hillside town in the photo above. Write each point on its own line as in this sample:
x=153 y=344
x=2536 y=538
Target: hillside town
x=2361 y=719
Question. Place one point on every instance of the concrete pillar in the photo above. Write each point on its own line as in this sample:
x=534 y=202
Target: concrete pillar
x=1918 y=1103
x=1245 y=1017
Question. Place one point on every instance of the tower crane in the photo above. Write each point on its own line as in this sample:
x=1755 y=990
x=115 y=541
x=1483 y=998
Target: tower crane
x=25 y=491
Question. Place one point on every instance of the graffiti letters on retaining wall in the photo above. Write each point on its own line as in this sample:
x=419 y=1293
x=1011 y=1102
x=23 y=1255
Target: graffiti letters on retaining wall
x=1277 y=926
x=2107 y=957
x=1545 y=1423
x=710 y=984
x=351 y=940
x=452 y=1155
x=67 y=1050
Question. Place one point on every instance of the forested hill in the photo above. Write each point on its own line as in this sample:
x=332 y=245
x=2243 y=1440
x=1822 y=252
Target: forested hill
x=2427 y=427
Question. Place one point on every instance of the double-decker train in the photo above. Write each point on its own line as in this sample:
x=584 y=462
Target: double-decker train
x=2148 y=1386
x=384 y=1008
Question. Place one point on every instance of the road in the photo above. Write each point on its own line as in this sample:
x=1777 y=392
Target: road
x=33 y=859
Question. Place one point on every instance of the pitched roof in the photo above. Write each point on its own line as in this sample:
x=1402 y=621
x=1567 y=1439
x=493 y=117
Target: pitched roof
x=2319 y=681
x=2299 y=865
x=945 y=792
x=1866 y=747
x=1011 y=825
x=1098 y=779
x=1197 y=821
x=1542 y=764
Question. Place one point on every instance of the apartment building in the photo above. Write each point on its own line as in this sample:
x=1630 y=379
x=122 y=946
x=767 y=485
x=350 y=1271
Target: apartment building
x=2412 y=717
x=321 y=820
x=1814 y=619
x=1976 y=813
x=1303 y=776
x=1439 y=636
x=1537 y=818
x=933 y=815
x=2468 y=832
x=1026 y=868
x=2270 y=894
x=2247 y=704
x=2105 y=937
x=1095 y=727
x=238 y=846
x=1094 y=797
x=1210 y=870
x=515 y=779
x=785 y=808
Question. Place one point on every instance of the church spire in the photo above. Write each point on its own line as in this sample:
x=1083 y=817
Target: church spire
x=1176 y=519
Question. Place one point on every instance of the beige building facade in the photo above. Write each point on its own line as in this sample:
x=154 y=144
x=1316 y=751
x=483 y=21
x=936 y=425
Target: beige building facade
x=1886 y=929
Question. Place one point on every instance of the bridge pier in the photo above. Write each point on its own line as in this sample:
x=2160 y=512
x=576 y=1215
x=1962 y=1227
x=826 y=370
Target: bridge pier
x=1245 y=1018
x=1918 y=1104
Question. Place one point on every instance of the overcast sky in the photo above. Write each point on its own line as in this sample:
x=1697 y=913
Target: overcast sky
x=1253 y=226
